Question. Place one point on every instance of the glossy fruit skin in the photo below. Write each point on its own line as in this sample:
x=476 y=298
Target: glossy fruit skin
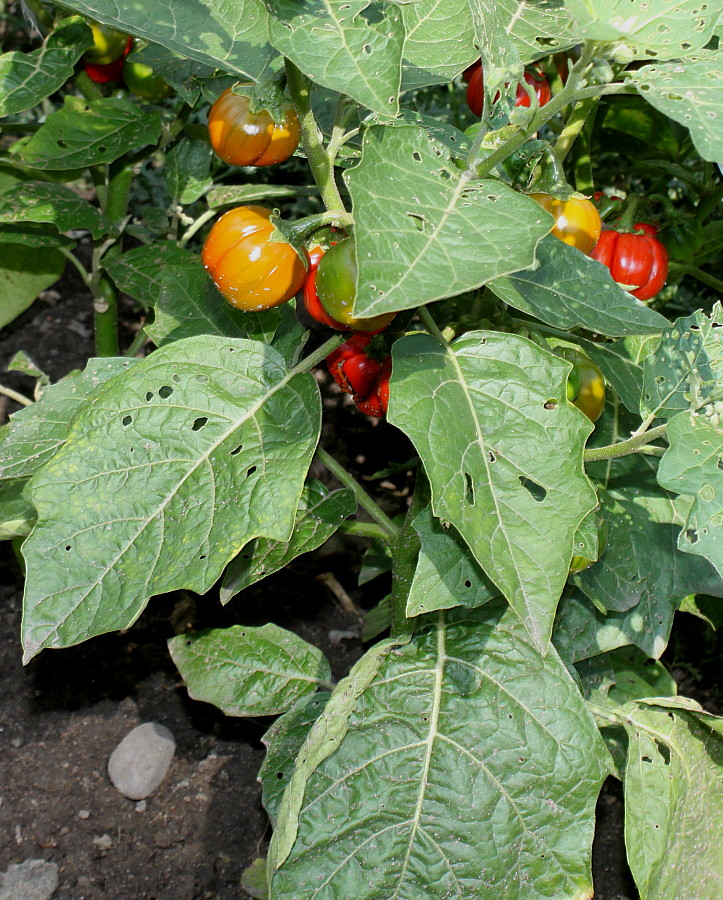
x=352 y=353
x=371 y=405
x=585 y=384
x=108 y=45
x=577 y=222
x=312 y=304
x=242 y=138
x=112 y=72
x=639 y=261
x=250 y=270
x=336 y=288
x=476 y=94
x=141 y=79
x=383 y=382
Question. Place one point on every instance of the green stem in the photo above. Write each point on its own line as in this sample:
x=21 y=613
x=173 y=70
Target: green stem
x=72 y=258
x=584 y=181
x=709 y=203
x=361 y=496
x=345 y=109
x=14 y=395
x=405 y=552
x=196 y=226
x=313 y=359
x=431 y=325
x=138 y=342
x=605 y=714
x=624 y=448
x=105 y=305
x=574 y=126
x=301 y=228
x=119 y=186
x=321 y=165
x=87 y=87
x=365 y=530
x=625 y=223
x=704 y=278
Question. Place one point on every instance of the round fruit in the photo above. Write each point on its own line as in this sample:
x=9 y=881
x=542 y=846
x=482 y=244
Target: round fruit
x=585 y=384
x=108 y=45
x=143 y=81
x=577 y=222
x=637 y=261
x=243 y=138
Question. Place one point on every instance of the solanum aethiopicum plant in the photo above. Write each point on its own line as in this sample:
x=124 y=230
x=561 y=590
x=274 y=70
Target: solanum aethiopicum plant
x=518 y=638
x=476 y=94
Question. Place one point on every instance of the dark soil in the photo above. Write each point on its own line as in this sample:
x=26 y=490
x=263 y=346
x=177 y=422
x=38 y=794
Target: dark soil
x=63 y=714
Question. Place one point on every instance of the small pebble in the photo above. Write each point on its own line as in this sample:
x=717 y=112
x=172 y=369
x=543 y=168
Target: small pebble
x=84 y=814
x=140 y=762
x=141 y=806
x=104 y=842
x=34 y=879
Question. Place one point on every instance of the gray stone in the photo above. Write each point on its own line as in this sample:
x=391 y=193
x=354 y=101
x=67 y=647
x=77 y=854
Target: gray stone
x=140 y=762
x=34 y=879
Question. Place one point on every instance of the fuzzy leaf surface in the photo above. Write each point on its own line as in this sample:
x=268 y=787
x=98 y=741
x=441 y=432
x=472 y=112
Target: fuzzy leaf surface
x=439 y=42
x=503 y=451
x=470 y=694
x=55 y=204
x=174 y=467
x=248 y=671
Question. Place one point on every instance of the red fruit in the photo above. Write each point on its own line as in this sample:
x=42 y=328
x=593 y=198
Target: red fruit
x=371 y=405
x=312 y=304
x=383 y=382
x=360 y=373
x=112 y=71
x=476 y=94
x=348 y=350
x=638 y=260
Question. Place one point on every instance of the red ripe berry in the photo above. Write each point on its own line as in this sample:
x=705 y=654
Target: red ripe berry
x=348 y=350
x=383 y=382
x=476 y=95
x=111 y=72
x=312 y=304
x=638 y=261
x=360 y=373
x=371 y=405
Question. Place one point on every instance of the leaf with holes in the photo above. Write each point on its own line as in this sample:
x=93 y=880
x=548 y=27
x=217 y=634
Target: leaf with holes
x=228 y=36
x=658 y=29
x=55 y=204
x=37 y=432
x=350 y=46
x=689 y=93
x=446 y=575
x=470 y=694
x=421 y=232
x=621 y=362
x=503 y=451
x=283 y=741
x=249 y=671
x=686 y=369
x=693 y=466
x=172 y=468
x=439 y=42
x=319 y=515
x=28 y=78
x=674 y=799
x=173 y=282
x=86 y=133
x=565 y=289
x=614 y=679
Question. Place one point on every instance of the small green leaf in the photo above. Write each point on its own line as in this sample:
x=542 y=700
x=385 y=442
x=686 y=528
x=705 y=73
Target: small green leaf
x=248 y=671
x=31 y=235
x=188 y=171
x=239 y=194
x=24 y=273
x=17 y=515
x=439 y=42
x=614 y=679
x=38 y=201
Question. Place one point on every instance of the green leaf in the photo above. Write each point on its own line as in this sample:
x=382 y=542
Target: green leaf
x=17 y=515
x=186 y=76
x=503 y=450
x=319 y=515
x=614 y=679
x=232 y=37
x=422 y=233
x=674 y=800
x=253 y=880
x=688 y=93
x=686 y=370
x=37 y=432
x=175 y=466
x=350 y=46
x=283 y=742
x=38 y=201
x=621 y=364
x=248 y=671
x=188 y=171
x=24 y=273
x=439 y=42
x=470 y=696
x=709 y=609
x=186 y=303
x=661 y=29
x=27 y=78
x=693 y=466
x=565 y=289
x=238 y=194
x=635 y=118
x=31 y=235
x=85 y=133
x=447 y=574
x=290 y=337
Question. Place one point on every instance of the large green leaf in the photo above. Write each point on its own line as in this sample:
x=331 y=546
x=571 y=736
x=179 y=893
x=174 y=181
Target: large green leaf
x=24 y=273
x=319 y=515
x=469 y=768
x=565 y=288
x=621 y=364
x=614 y=679
x=693 y=466
x=38 y=201
x=248 y=671
x=185 y=301
x=166 y=475
x=503 y=450
x=686 y=369
x=27 y=78
x=350 y=46
x=423 y=233
x=188 y=171
x=674 y=800
x=439 y=42
x=37 y=432
x=85 y=133
x=229 y=36
x=661 y=29
x=689 y=93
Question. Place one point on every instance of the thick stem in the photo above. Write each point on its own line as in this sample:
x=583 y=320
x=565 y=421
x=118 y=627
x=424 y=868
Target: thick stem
x=313 y=359
x=119 y=186
x=361 y=496
x=625 y=448
x=430 y=324
x=405 y=552
x=574 y=126
x=704 y=278
x=105 y=305
x=321 y=166
x=87 y=87
x=365 y=530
